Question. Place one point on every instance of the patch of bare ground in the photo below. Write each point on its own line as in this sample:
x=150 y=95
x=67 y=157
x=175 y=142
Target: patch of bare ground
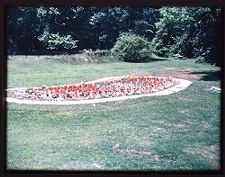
x=180 y=125
x=183 y=98
x=184 y=73
x=157 y=129
x=189 y=76
x=183 y=110
x=207 y=152
x=145 y=142
x=134 y=152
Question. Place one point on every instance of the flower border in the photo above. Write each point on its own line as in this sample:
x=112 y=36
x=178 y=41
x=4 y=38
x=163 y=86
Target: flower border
x=180 y=86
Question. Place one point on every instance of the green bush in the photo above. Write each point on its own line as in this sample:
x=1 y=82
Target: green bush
x=132 y=48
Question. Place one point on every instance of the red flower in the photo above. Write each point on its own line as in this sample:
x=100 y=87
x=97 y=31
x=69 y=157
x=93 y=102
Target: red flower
x=56 y=89
x=90 y=85
x=73 y=88
x=60 y=91
x=84 y=88
x=142 y=78
x=78 y=87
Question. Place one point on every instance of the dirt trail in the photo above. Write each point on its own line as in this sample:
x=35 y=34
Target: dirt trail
x=184 y=73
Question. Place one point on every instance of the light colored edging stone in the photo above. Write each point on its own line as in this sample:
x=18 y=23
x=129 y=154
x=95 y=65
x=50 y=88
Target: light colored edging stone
x=181 y=86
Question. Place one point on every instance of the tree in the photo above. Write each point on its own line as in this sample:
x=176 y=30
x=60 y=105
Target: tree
x=109 y=23
x=75 y=28
x=22 y=29
x=52 y=25
x=191 y=32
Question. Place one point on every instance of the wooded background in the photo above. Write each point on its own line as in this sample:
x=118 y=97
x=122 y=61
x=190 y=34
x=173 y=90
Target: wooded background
x=189 y=31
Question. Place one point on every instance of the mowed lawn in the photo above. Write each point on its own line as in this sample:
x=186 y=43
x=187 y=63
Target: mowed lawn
x=180 y=131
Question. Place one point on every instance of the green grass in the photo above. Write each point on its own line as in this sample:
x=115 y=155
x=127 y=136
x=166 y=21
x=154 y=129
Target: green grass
x=180 y=131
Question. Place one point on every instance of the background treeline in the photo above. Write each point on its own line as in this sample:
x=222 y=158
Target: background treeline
x=193 y=32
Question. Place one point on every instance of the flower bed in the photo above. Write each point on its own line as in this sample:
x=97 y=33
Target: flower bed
x=110 y=88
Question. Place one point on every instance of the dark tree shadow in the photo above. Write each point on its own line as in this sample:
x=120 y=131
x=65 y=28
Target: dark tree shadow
x=209 y=75
x=158 y=59
x=149 y=60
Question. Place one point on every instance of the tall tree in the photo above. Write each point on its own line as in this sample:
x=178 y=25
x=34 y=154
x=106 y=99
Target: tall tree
x=190 y=31
x=23 y=29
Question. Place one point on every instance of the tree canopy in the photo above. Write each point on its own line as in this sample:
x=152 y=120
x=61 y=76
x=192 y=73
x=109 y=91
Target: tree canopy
x=189 y=31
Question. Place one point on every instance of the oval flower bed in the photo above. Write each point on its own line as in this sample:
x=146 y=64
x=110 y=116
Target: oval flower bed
x=110 y=88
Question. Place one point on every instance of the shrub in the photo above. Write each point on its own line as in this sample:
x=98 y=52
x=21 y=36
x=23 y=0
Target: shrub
x=132 y=48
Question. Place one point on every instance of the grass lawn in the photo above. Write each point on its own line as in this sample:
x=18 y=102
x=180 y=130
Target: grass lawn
x=180 y=131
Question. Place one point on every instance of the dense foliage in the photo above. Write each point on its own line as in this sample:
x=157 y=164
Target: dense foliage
x=75 y=28
x=193 y=32
x=132 y=48
x=190 y=32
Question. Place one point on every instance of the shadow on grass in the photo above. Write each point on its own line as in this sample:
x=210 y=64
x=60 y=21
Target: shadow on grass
x=149 y=60
x=209 y=75
x=158 y=59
